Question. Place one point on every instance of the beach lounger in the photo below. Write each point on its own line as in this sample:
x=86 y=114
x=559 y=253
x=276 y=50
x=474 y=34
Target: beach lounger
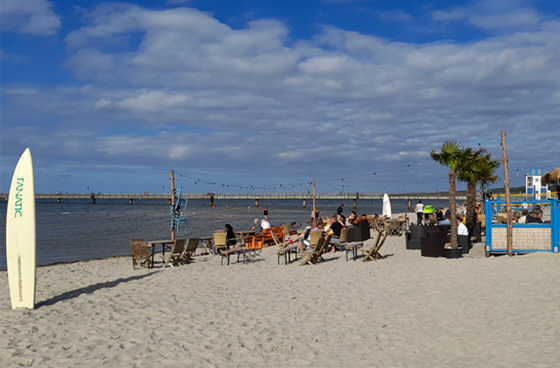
x=190 y=249
x=373 y=252
x=141 y=253
x=316 y=255
x=176 y=256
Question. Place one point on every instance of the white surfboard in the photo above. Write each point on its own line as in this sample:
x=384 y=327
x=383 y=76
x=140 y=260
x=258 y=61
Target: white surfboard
x=21 y=235
x=386 y=206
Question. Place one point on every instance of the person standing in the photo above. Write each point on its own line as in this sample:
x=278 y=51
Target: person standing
x=265 y=213
x=419 y=209
x=340 y=210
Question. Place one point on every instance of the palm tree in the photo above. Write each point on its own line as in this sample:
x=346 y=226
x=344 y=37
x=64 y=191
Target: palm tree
x=478 y=168
x=454 y=156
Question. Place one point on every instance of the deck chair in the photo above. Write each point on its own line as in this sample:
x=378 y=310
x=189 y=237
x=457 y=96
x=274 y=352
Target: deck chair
x=316 y=255
x=190 y=249
x=141 y=253
x=277 y=241
x=176 y=256
x=314 y=237
x=309 y=256
x=340 y=241
x=220 y=241
x=286 y=230
x=373 y=252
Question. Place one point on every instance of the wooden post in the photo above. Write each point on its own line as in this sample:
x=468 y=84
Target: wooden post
x=313 y=215
x=509 y=230
x=172 y=199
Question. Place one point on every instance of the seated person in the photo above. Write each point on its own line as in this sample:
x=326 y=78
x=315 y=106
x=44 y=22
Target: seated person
x=523 y=218
x=461 y=227
x=333 y=229
x=432 y=219
x=535 y=217
x=447 y=220
x=265 y=224
x=303 y=238
x=364 y=221
x=256 y=227
x=343 y=221
x=439 y=214
x=230 y=237
x=353 y=219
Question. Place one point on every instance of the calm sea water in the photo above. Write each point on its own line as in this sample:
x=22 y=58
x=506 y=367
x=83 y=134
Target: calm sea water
x=77 y=230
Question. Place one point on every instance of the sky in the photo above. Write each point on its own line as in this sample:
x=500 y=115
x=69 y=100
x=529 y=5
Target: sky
x=267 y=96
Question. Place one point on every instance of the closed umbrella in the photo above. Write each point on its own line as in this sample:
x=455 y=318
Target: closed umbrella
x=552 y=177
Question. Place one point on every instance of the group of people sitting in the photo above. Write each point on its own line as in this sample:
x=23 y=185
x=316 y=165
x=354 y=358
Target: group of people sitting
x=533 y=217
x=333 y=227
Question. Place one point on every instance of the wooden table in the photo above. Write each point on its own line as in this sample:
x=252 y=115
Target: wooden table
x=207 y=245
x=165 y=244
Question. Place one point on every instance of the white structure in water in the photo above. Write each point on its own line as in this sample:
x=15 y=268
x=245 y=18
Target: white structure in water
x=533 y=184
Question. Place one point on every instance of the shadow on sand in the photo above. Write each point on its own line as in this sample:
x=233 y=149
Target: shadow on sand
x=88 y=290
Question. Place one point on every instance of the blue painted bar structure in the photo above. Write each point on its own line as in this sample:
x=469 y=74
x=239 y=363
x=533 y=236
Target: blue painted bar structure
x=527 y=238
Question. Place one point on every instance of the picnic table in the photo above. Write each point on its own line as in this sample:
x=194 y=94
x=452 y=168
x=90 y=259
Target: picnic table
x=165 y=244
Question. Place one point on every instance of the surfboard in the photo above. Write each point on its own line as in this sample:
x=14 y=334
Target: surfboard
x=386 y=205
x=21 y=234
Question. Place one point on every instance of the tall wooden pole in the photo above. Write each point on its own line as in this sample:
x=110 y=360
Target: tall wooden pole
x=314 y=208
x=509 y=229
x=172 y=177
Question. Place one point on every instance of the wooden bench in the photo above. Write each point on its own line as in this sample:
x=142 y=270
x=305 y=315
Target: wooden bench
x=229 y=252
x=290 y=249
x=353 y=248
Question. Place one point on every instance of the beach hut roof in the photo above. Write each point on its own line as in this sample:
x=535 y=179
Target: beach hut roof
x=551 y=177
x=535 y=172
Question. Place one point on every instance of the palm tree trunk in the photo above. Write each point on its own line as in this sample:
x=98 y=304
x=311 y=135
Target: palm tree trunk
x=453 y=209
x=471 y=205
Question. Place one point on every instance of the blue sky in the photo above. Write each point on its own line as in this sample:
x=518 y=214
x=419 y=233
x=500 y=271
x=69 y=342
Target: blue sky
x=258 y=94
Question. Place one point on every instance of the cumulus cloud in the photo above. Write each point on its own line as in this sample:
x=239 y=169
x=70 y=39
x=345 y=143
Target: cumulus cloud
x=494 y=15
x=197 y=91
x=34 y=17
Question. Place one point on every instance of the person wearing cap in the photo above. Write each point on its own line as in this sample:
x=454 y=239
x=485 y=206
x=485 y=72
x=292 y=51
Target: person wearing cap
x=535 y=217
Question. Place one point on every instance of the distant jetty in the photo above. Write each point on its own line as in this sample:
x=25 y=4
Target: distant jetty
x=355 y=196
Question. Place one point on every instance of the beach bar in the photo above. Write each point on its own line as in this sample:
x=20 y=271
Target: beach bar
x=527 y=238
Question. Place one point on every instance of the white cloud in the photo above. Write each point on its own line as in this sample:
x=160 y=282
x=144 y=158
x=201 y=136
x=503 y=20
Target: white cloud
x=196 y=89
x=493 y=15
x=33 y=17
x=154 y=101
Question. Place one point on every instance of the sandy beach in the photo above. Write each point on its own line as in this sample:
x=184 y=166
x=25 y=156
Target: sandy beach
x=402 y=311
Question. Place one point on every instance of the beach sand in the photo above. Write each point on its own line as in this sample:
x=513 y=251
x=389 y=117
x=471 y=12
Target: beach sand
x=402 y=311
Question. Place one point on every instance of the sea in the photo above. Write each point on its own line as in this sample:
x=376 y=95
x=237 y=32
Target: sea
x=77 y=230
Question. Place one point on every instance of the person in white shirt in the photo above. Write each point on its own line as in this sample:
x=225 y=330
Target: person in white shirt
x=461 y=228
x=265 y=224
x=419 y=209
